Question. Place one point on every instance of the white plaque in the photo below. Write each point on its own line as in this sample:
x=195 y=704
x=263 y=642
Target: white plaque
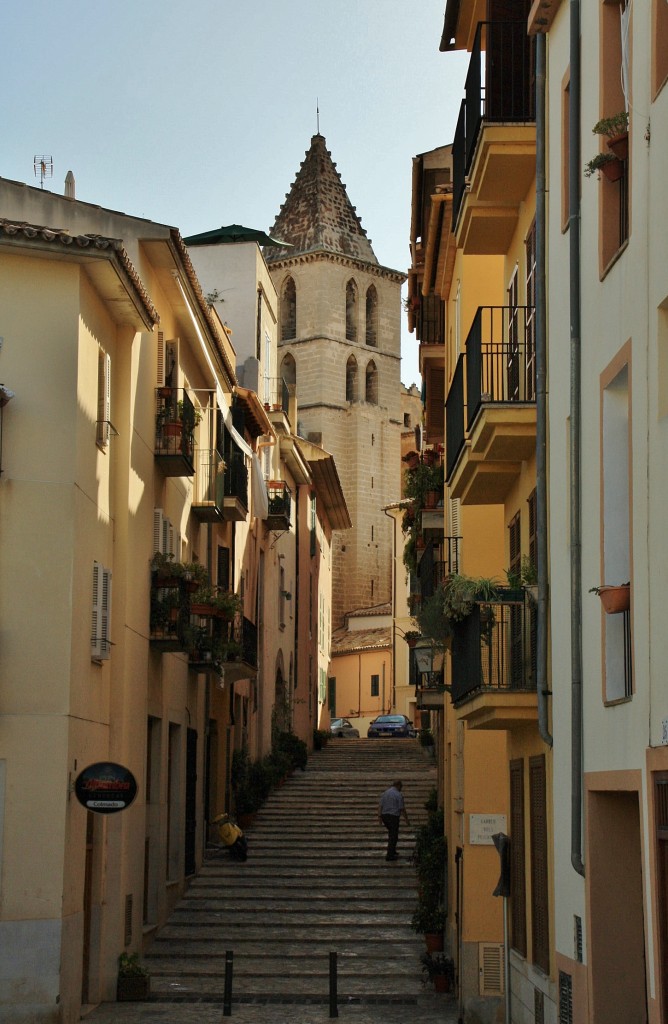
x=483 y=826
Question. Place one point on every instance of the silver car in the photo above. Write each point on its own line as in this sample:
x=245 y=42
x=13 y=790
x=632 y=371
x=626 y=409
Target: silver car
x=343 y=728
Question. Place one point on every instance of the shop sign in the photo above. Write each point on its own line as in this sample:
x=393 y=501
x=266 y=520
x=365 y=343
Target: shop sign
x=105 y=787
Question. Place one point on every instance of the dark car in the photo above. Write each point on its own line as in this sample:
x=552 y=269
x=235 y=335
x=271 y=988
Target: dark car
x=342 y=727
x=391 y=725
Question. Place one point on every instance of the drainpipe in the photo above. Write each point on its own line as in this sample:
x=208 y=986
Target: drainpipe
x=575 y=443
x=542 y=690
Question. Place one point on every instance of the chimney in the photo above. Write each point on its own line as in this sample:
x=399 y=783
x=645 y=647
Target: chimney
x=70 y=187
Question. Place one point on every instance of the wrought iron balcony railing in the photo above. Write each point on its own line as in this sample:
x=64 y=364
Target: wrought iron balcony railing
x=279 y=505
x=494 y=648
x=498 y=90
x=277 y=395
x=175 y=422
x=438 y=562
x=498 y=367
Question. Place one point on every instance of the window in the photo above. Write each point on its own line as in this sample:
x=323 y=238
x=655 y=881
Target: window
x=351 y=311
x=372 y=316
x=103 y=398
x=289 y=369
x=614 y=62
x=518 y=935
x=565 y=149
x=371 y=383
x=289 y=310
x=617 y=505
x=659 y=45
x=100 y=645
x=539 y=864
x=331 y=691
x=351 y=380
x=313 y=525
x=375 y=686
x=530 y=325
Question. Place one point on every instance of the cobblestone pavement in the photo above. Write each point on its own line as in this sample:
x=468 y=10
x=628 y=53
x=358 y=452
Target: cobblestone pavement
x=315 y=880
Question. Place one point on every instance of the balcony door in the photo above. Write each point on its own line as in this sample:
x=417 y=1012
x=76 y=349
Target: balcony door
x=513 y=352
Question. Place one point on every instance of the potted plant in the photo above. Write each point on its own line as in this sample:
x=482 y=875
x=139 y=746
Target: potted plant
x=616 y=131
x=133 y=982
x=430 y=921
x=614 y=599
x=608 y=163
x=439 y=969
x=411 y=636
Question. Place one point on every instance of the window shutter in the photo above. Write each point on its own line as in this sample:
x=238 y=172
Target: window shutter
x=101 y=613
x=518 y=935
x=157 y=529
x=160 y=379
x=490 y=967
x=539 y=875
x=515 y=544
x=103 y=398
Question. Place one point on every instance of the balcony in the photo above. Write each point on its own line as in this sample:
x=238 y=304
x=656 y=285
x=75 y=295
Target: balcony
x=491 y=433
x=175 y=422
x=208 y=491
x=235 y=486
x=170 y=614
x=244 y=663
x=277 y=404
x=494 y=148
x=279 y=506
x=438 y=561
x=494 y=663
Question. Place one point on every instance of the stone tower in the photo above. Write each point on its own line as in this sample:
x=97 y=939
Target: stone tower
x=340 y=345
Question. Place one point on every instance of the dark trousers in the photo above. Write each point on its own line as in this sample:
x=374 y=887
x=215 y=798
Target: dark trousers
x=391 y=823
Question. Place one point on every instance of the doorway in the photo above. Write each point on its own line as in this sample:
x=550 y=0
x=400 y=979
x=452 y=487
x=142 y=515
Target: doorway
x=617 y=925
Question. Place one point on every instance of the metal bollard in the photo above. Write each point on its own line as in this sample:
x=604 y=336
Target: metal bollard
x=227 y=993
x=333 y=1000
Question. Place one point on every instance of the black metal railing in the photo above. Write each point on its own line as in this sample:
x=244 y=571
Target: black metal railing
x=245 y=636
x=278 y=395
x=279 y=496
x=235 y=477
x=439 y=560
x=500 y=357
x=455 y=435
x=499 y=91
x=175 y=422
x=493 y=647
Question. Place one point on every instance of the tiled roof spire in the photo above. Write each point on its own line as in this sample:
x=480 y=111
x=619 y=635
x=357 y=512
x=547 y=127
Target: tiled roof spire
x=317 y=213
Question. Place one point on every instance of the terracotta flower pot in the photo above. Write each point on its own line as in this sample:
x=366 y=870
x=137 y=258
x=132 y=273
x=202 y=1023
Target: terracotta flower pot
x=613 y=169
x=619 y=145
x=615 y=599
x=441 y=983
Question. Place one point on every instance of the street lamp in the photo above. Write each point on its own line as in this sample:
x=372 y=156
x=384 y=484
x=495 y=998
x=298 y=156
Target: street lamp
x=428 y=658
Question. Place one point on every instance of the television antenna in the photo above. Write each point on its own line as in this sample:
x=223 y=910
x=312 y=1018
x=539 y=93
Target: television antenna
x=43 y=166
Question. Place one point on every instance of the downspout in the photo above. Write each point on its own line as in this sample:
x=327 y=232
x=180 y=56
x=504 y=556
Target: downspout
x=575 y=443
x=542 y=689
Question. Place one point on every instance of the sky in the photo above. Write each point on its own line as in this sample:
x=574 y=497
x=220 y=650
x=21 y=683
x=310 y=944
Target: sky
x=199 y=114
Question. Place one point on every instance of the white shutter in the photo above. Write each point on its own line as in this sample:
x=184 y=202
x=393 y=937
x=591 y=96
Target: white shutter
x=157 y=530
x=100 y=646
x=103 y=398
x=490 y=968
x=454 y=517
x=169 y=538
x=161 y=359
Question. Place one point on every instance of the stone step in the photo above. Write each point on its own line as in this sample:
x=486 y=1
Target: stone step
x=315 y=881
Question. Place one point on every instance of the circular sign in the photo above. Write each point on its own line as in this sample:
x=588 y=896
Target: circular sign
x=105 y=787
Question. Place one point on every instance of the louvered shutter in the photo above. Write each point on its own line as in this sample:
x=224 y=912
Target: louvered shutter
x=157 y=530
x=518 y=935
x=539 y=867
x=103 y=398
x=101 y=613
x=160 y=378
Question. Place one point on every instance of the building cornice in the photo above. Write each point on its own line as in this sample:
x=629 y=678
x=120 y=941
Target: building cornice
x=328 y=256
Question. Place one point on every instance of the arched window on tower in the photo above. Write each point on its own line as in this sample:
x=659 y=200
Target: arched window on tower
x=351 y=380
x=288 y=310
x=289 y=369
x=371 y=383
x=351 y=311
x=372 y=316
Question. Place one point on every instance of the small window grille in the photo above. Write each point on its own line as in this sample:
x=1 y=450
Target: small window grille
x=538 y=1006
x=100 y=644
x=128 y=920
x=565 y=998
x=577 y=921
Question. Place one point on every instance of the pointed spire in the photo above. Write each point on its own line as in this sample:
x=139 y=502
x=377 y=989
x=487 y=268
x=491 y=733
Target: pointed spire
x=317 y=213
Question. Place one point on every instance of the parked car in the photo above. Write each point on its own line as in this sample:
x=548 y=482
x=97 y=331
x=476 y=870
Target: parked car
x=343 y=728
x=391 y=725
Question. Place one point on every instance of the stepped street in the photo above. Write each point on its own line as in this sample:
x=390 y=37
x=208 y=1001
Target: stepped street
x=316 y=881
